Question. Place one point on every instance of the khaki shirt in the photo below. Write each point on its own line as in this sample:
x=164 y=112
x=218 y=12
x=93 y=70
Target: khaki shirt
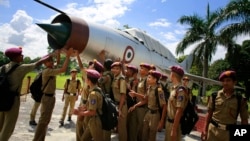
x=84 y=95
x=72 y=86
x=16 y=77
x=141 y=87
x=225 y=111
x=51 y=86
x=106 y=85
x=152 y=103
x=94 y=102
x=175 y=101
x=119 y=89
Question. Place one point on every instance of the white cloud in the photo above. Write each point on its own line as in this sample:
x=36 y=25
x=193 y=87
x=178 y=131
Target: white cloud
x=162 y=1
x=169 y=36
x=5 y=3
x=160 y=23
x=21 y=30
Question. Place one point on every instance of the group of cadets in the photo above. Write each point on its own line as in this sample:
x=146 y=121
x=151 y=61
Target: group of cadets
x=146 y=101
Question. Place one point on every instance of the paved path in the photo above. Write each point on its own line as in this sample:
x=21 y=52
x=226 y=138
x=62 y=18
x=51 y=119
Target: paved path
x=24 y=132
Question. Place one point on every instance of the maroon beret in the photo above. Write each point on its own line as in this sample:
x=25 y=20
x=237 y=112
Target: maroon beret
x=119 y=64
x=152 y=67
x=93 y=73
x=178 y=70
x=164 y=76
x=155 y=74
x=13 y=52
x=145 y=65
x=132 y=67
x=229 y=74
x=98 y=66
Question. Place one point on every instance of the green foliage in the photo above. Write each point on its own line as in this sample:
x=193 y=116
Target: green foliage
x=3 y=59
x=217 y=67
x=181 y=58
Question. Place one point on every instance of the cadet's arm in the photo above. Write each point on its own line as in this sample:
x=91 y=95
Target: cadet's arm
x=79 y=60
x=65 y=64
x=164 y=113
x=122 y=100
x=208 y=119
x=177 y=118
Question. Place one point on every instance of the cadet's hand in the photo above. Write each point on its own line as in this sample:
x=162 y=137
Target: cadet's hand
x=132 y=93
x=160 y=125
x=173 y=135
x=120 y=114
x=75 y=111
x=204 y=135
x=131 y=109
x=69 y=51
x=82 y=108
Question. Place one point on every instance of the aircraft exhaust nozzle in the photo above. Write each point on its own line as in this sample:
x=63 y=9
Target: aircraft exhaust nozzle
x=66 y=32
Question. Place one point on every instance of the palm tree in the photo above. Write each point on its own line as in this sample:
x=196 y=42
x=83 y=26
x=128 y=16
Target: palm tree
x=237 y=12
x=203 y=36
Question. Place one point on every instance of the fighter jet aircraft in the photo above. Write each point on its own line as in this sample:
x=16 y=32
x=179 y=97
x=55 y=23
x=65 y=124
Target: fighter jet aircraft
x=98 y=41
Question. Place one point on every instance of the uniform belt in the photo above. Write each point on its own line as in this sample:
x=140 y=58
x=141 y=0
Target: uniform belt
x=74 y=94
x=153 y=111
x=170 y=120
x=50 y=95
x=220 y=126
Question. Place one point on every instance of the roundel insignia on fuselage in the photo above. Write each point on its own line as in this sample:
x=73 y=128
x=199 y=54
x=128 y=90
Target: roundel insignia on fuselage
x=128 y=55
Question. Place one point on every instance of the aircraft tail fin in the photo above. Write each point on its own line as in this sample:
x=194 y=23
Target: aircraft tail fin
x=187 y=63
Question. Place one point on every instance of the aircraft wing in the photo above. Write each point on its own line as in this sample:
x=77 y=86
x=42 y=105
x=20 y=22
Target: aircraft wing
x=199 y=79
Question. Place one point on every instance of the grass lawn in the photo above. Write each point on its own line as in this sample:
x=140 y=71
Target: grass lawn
x=60 y=80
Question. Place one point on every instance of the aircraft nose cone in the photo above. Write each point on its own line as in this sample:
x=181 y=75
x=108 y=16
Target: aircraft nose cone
x=59 y=32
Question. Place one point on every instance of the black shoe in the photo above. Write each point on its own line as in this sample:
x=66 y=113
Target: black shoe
x=61 y=123
x=69 y=118
x=33 y=123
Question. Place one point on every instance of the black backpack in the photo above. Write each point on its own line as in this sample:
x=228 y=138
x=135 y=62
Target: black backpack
x=109 y=116
x=7 y=96
x=36 y=88
x=189 y=117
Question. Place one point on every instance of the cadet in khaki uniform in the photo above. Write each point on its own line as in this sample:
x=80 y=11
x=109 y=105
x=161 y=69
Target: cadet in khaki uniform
x=152 y=121
x=105 y=83
x=141 y=89
x=132 y=83
x=8 y=119
x=71 y=90
x=81 y=122
x=48 y=98
x=94 y=106
x=119 y=91
x=177 y=102
x=224 y=113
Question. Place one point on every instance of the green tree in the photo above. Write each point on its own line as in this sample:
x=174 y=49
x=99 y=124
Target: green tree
x=202 y=36
x=3 y=59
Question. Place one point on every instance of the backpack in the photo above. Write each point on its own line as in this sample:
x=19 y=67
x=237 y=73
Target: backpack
x=68 y=80
x=36 y=88
x=7 y=97
x=109 y=116
x=189 y=117
x=110 y=95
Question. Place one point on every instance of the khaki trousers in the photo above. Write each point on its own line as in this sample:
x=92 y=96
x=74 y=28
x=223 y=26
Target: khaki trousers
x=169 y=127
x=140 y=114
x=122 y=124
x=79 y=129
x=132 y=126
x=93 y=130
x=34 y=111
x=150 y=125
x=47 y=106
x=8 y=120
x=215 y=134
x=69 y=101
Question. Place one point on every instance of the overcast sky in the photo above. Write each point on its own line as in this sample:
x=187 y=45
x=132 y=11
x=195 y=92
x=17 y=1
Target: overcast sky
x=157 y=17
